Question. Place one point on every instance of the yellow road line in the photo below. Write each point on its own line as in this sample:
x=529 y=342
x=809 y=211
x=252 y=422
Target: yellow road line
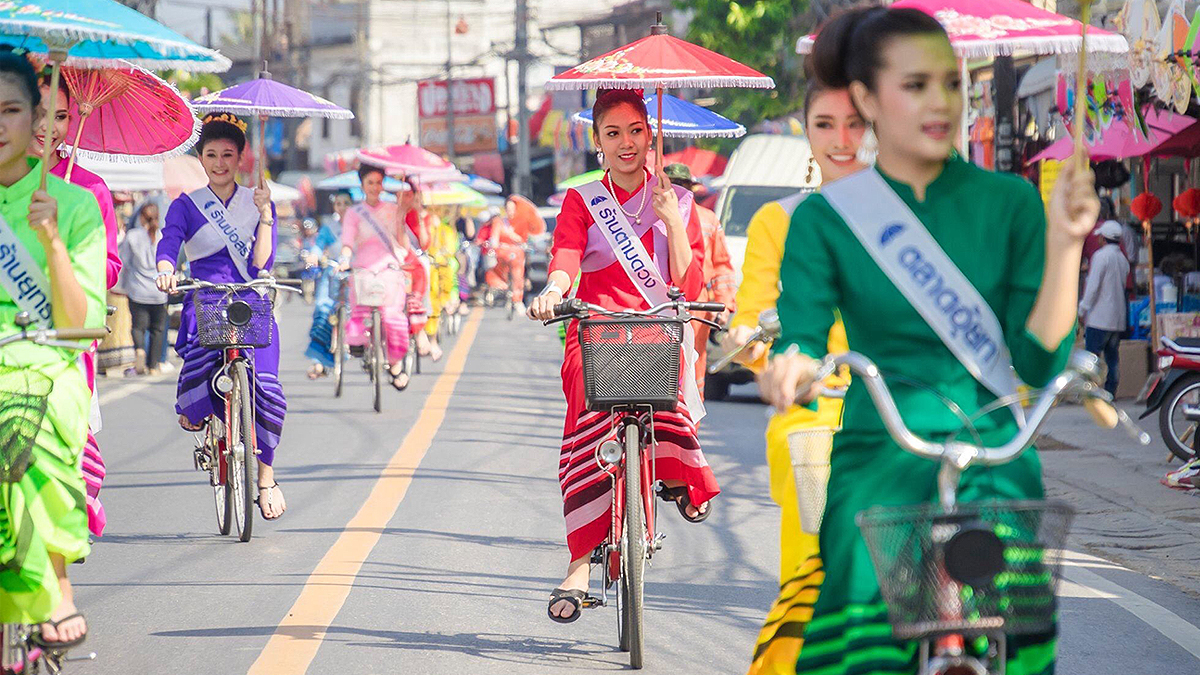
x=295 y=642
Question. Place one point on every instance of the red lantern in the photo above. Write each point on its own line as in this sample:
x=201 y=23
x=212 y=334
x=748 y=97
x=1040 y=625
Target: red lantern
x=1146 y=206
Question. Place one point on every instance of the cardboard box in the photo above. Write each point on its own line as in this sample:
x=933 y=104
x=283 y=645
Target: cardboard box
x=1134 y=368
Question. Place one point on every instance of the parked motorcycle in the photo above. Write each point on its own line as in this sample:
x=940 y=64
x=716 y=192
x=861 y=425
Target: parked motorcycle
x=1174 y=391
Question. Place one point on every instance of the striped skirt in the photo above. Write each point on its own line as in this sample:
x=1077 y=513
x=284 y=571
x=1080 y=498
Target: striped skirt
x=587 y=489
x=197 y=399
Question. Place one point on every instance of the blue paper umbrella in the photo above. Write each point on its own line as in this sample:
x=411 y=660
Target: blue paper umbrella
x=349 y=181
x=682 y=119
x=100 y=34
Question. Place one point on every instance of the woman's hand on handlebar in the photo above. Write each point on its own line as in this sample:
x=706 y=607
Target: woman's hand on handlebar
x=790 y=379
x=739 y=336
x=167 y=279
x=542 y=307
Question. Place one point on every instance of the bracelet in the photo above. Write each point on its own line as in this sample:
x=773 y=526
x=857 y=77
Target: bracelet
x=163 y=274
x=552 y=286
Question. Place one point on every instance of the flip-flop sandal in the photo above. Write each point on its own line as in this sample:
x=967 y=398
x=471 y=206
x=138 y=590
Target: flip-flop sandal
x=314 y=374
x=198 y=427
x=262 y=508
x=398 y=387
x=573 y=596
x=679 y=495
x=36 y=638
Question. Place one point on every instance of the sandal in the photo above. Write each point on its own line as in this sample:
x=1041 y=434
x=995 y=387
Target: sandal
x=262 y=506
x=679 y=495
x=400 y=387
x=36 y=638
x=317 y=371
x=187 y=424
x=573 y=596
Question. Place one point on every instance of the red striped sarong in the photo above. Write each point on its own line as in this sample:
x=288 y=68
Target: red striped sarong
x=586 y=488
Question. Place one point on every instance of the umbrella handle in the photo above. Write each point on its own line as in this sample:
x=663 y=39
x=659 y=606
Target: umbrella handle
x=1085 y=15
x=262 y=151
x=75 y=146
x=51 y=112
x=658 y=136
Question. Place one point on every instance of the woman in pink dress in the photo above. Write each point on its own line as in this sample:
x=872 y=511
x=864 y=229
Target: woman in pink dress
x=374 y=237
x=93 y=463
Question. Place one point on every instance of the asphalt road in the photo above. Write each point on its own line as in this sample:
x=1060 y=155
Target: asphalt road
x=426 y=540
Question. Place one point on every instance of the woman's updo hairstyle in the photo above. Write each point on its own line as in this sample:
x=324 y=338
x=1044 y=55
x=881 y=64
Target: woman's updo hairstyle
x=813 y=87
x=849 y=47
x=607 y=99
x=16 y=68
x=222 y=126
x=365 y=170
x=44 y=81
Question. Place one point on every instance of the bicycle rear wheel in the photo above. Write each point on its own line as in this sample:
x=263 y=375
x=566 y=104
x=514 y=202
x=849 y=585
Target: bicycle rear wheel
x=339 y=351
x=633 y=551
x=240 y=442
x=377 y=359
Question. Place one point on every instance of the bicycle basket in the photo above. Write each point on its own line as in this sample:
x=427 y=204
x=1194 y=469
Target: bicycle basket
x=225 y=318
x=985 y=567
x=378 y=289
x=810 y=450
x=23 y=395
x=631 y=362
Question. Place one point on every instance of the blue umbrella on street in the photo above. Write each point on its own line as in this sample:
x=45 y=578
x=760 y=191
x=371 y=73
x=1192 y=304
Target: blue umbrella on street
x=682 y=119
x=97 y=34
x=484 y=185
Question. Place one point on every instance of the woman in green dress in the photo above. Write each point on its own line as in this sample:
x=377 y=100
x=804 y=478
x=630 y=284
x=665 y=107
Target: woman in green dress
x=1021 y=258
x=43 y=522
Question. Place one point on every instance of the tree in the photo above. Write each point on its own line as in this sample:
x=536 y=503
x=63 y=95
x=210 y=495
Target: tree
x=761 y=34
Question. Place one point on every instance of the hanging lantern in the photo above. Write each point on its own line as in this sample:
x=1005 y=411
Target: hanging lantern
x=1145 y=207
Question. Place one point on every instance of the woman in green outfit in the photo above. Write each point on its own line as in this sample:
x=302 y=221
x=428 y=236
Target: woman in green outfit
x=904 y=79
x=43 y=524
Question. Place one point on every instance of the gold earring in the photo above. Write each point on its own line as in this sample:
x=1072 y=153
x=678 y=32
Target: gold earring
x=812 y=166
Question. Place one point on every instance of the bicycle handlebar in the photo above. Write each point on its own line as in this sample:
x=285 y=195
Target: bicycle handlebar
x=1081 y=377
x=575 y=307
x=270 y=282
x=66 y=338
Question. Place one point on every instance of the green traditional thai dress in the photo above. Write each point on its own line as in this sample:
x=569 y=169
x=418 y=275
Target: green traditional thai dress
x=993 y=227
x=44 y=512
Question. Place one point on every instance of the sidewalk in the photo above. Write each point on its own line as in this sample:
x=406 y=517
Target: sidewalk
x=1122 y=512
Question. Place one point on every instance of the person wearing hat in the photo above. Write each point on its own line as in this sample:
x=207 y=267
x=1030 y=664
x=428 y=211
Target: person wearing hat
x=720 y=283
x=1102 y=309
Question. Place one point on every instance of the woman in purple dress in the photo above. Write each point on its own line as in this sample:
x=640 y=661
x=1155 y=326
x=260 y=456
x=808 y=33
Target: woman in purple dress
x=250 y=216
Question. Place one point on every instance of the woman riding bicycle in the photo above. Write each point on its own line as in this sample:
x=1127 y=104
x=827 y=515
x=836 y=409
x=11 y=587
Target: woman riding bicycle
x=443 y=278
x=54 y=258
x=374 y=238
x=229 y=234
x=834 y=130
x=669 y=227
x=420 y=223
x=995 y=275
x=320 y=335
x=501 y=242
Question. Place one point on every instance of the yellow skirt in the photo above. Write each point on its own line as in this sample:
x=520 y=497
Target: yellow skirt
x=800 y=571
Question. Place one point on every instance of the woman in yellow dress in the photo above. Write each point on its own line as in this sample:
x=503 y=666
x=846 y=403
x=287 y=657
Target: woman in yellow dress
x=834 y=130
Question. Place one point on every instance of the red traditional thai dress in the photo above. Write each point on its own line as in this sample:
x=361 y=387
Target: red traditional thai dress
x=580 y=248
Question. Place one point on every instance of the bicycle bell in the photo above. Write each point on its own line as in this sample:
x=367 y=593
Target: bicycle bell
x=610 y=452
x=768 y=323
x=238 y=312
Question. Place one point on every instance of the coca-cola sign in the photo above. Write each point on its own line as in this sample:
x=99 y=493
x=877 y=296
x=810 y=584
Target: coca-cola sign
x=475 y=96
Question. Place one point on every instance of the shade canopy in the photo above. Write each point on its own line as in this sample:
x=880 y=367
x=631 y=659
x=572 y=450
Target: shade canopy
x=682 y=119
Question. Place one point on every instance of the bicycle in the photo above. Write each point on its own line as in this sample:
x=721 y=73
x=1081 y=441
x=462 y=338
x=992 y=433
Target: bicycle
x=25 y=399
x=377 y=290
x=631 y=368
x=341 y=313
x=958 y=578
x=233 y=317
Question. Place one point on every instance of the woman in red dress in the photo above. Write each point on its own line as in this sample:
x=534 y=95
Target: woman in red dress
x=621 y=130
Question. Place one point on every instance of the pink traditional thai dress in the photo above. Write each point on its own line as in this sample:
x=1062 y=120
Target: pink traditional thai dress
x=93 y=464
x=580 y=247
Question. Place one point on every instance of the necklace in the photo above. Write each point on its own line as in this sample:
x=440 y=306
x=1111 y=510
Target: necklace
x=636 y=215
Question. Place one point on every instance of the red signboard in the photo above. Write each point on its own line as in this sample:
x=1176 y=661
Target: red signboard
x=474 y=96
x=472 y=134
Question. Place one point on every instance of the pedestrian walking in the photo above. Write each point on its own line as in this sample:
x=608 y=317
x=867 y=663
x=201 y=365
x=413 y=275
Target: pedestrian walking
x=147 y=304
x=1102 y=310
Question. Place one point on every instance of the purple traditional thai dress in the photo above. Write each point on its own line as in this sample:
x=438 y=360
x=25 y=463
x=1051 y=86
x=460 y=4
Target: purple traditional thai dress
x=195 y=397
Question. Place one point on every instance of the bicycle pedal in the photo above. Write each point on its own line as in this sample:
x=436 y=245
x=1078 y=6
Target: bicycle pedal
x=658 y=540
x=590 y=602
x=90 y=656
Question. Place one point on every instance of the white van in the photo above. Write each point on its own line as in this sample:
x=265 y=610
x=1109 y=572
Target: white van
x=763 y=169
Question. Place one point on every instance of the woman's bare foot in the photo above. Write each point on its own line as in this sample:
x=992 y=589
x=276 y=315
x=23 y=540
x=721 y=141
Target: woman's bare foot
x=67 y=629
x=317 y=370
x=577 y=579
x=270 y=497
x=435 y=351
x=187 y=424
x=400 y=378
x=692 y=510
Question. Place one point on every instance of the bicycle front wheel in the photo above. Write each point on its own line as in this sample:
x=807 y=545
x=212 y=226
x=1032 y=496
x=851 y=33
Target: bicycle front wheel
x=633 y=551
x=217 y=469
x=377 y=359
x=339 y=351
x=240 y=440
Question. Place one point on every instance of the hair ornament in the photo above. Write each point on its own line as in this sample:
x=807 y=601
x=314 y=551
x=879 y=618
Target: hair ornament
x=228 y=118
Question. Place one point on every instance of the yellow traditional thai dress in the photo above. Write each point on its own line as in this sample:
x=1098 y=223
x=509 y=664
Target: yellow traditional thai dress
x=800 y=573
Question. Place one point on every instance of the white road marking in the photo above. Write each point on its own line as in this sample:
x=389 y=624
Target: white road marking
x=107 y=397
x=1081 y=582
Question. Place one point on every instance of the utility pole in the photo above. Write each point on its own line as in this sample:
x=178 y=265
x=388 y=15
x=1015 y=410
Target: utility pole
x=449 y=83
x=522 y=183
x=208 y=27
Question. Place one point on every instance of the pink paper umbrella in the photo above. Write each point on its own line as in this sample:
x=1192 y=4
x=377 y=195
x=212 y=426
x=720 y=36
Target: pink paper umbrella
x=127 y=111
x=411 y=160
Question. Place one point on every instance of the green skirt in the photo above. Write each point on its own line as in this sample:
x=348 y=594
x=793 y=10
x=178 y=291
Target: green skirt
x=44 y=513
x=849 y=633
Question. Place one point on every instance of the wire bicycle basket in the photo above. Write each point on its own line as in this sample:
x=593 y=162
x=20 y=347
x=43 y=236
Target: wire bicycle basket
x=984 y=567
x=631 y=362
x=379 y=289
x=810 y=450
x=23 y=397
x=229 y=318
